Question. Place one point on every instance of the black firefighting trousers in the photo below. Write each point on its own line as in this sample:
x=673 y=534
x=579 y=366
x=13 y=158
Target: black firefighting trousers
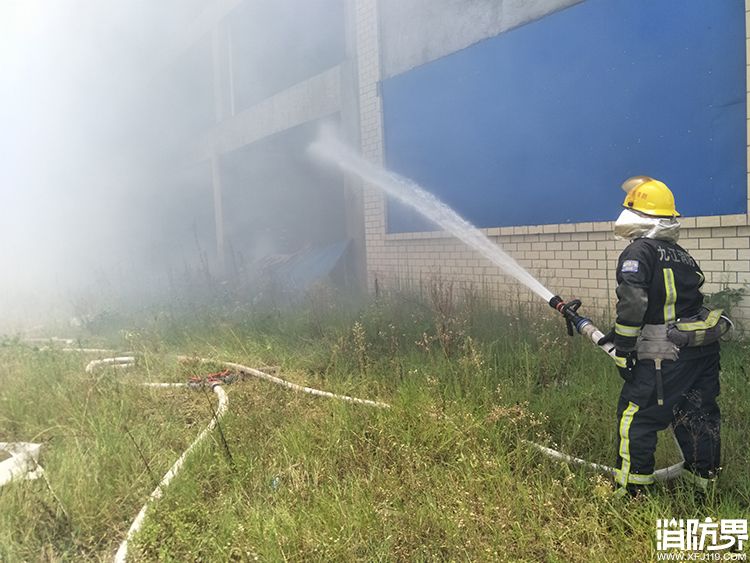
x=691 y=386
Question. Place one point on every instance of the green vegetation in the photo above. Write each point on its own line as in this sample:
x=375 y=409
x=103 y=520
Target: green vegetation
x=443 y=474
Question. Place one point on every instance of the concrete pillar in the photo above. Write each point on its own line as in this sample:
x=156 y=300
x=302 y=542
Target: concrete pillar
x=223 y=108
x=230 y=70
x=218 y=213
x=223 y=76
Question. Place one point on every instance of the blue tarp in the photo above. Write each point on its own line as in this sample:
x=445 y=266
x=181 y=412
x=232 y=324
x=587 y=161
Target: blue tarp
x=299 y=272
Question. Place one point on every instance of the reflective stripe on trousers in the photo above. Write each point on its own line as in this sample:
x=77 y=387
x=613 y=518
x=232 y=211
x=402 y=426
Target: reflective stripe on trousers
x=625 y=421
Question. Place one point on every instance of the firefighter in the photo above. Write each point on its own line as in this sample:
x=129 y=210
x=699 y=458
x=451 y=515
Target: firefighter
x=671 y=375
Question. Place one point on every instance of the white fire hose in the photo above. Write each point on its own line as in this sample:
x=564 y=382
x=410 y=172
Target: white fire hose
x=24 y=465
x=157 y=493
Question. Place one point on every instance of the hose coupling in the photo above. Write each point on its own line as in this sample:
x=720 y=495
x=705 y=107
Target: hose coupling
x=573 y=321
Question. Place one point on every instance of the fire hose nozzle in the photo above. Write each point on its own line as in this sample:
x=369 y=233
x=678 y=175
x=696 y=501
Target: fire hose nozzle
x=577 y=323
x=557 y=303
x=573 y=321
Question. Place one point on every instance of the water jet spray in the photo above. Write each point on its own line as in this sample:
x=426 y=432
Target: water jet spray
x=331 y=150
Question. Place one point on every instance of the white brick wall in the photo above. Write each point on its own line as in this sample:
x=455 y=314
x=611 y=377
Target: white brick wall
x=574 y=260
x=583 y=268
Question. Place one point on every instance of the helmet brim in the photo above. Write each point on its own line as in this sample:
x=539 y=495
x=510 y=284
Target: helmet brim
x=666 y=215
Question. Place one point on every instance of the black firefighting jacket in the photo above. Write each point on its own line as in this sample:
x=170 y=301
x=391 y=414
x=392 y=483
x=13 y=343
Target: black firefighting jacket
x=658 y=282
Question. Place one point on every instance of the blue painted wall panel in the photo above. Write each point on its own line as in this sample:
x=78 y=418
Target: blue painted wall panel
x=542 y=123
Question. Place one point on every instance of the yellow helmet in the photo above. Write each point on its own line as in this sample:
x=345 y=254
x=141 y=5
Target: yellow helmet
x=649 y=196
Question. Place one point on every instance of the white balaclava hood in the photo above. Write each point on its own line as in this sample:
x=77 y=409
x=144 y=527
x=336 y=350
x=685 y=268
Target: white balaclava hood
x=632 y=225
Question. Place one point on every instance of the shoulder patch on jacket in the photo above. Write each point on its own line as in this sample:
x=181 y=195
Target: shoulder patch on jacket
x=629 y=266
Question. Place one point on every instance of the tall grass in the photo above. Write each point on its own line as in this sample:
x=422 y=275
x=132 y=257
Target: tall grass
x=442 y=475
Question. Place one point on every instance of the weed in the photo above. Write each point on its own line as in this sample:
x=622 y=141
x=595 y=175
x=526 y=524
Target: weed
x=359 y=338
x=448 y=325
x=441 y=475
x=727 y=298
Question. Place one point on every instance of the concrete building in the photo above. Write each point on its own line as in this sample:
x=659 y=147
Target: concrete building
x=524 y=116
x=244 y=90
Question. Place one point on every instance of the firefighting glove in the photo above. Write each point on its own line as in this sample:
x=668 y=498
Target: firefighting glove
x=609 y=337
x=625 y=362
